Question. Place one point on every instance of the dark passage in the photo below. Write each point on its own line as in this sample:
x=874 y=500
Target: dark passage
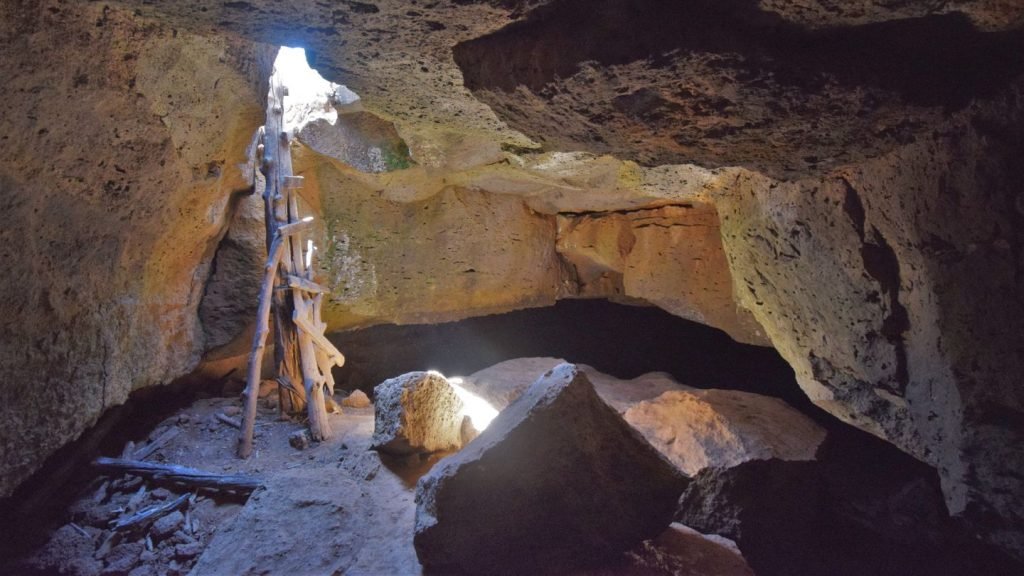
x=624 y=341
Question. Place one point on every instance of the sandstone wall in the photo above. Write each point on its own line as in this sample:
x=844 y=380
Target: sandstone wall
x=121 y=138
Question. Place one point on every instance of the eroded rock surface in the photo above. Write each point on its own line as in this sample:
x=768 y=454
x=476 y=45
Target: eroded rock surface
x=722 y=428
x=558 y=473
x=122 y=137
x=417 y=412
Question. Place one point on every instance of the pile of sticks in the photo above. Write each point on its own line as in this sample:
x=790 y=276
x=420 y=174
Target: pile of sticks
x=302 y=352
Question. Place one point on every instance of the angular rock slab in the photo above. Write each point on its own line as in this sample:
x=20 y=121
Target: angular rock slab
x=696 y=429
x=417 y=412
x=558 y=479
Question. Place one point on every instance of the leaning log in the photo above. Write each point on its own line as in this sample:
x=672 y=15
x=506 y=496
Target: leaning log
x=259 y=345
x=179 y=474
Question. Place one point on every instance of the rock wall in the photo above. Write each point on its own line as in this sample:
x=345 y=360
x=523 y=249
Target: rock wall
x=121 y=138
x=868 y=204
x=893 y=288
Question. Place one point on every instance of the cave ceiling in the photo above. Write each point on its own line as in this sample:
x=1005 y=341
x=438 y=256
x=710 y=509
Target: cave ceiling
x=789 y=88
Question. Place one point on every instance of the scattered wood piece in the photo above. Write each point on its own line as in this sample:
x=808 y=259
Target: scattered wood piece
x=233 y=422
x=136 y=499
x=80 y=530
x=150 y=514
x=180 y=474
x=159 y=442
x=101 y=493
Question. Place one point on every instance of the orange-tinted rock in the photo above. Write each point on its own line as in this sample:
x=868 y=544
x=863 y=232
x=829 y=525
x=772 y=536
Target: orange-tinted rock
x=122 y=141
x=671 y=257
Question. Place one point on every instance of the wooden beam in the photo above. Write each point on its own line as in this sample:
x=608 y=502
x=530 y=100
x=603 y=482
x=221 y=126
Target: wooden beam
x=292 y=182
x=319 y=339
x=306 y=285
x=293 y=228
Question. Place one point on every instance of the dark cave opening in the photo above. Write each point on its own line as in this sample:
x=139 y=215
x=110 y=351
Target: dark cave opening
x=624 y=341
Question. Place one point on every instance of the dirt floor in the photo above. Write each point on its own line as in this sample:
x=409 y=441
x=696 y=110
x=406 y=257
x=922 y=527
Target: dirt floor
x=331 y=508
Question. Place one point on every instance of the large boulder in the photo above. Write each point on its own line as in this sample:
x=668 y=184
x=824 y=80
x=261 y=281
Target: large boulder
x=877 y=512
x=417 y=412
x=558 y=479
x=723 y=428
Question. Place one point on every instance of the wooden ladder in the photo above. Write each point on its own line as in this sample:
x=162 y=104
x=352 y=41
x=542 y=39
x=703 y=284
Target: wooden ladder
x=302 y=351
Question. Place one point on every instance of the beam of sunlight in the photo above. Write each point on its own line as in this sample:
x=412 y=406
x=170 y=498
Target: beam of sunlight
x=310 y=96
x=479 y=410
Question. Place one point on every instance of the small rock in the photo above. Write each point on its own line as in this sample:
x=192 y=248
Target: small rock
x=357 y=399
x=180 y=537
x=299 y=439
x=147 y=556
x=161 y=494
x=187 y=551
x=184 y=418
x=143 y=570
x=267 y=387
x=232 y=410
x=417 y=412
x=167 y=525
x=123 y=557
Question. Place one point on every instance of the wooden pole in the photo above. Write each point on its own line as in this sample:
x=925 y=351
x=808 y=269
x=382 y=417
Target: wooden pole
x=258 y=346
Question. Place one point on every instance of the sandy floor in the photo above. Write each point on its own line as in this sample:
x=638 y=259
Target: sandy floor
x=333 y=508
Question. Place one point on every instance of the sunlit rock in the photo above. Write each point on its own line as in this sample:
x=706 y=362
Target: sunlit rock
x=417 y=412
x=722 y=428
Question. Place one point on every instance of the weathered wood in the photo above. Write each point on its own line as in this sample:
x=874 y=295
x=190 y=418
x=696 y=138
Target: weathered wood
x=291 y=398
x=157 y=443
x=258 y=346
x=233 y=422
x=312 y=377
x=292 y=182
x=319 y=340
x=305 y=285
x=286 y=353
x=293 y=229
x=145 y=517
x=179 y=474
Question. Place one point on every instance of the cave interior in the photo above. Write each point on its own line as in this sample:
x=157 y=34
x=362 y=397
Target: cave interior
x=683 y=288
